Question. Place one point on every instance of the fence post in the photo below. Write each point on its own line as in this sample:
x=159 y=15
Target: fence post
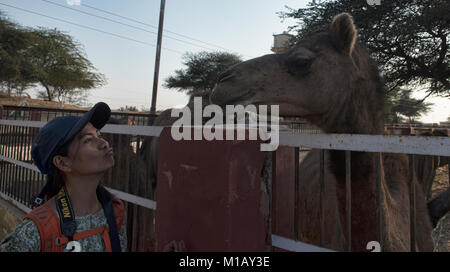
x=412 y=203
x=348 y=197
x=284 y=212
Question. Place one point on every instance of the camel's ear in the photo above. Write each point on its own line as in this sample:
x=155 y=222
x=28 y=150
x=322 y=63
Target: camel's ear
x=343 y=33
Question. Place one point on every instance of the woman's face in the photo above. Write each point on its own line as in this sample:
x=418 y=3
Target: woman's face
x=89 y=154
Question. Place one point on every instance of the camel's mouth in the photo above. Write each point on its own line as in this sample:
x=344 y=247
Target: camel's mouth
x=223 y=98
x=287 y=108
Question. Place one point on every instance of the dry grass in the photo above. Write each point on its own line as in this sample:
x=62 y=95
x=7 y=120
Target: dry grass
x=441 y=234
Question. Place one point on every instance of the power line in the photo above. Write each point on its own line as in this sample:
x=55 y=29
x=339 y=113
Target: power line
x=90 y=28
x=118 y=99
x=124 y=24
x=166 y=30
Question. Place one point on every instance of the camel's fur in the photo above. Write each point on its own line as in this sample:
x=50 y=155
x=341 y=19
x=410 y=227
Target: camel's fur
x=329 y=79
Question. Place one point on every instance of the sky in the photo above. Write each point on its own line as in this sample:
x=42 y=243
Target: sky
x=126 y=55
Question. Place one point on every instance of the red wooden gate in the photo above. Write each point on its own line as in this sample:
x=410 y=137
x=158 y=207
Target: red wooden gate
x=209 y=195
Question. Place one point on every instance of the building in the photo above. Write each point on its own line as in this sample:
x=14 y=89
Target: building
x=281 y=42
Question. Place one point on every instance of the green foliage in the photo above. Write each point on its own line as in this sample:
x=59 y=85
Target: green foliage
x=61 y=67
x=128 y=108
x=401 y=105
x=47 y=57
x=410 y=39
x=202 y=71
x=16 y=73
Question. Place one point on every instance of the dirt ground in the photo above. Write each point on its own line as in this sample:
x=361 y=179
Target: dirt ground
x=441 y=234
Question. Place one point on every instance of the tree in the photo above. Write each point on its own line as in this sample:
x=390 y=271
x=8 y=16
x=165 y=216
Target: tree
x=400 y=104
x=202 y=72
x=410 y=39
x=128 y=108
x=47 y=57
x=61 y=67
x=16 y=73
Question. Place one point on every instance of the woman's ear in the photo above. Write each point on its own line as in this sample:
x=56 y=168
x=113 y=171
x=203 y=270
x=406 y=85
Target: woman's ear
x=62 y=163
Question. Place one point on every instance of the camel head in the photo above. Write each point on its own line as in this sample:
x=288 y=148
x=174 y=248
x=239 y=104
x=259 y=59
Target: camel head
x=325 y=78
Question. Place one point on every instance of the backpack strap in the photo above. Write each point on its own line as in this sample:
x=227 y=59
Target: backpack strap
x=50 y=234
x=119 y=212
x=47 y=224
x=108 y=209
x=77 y=236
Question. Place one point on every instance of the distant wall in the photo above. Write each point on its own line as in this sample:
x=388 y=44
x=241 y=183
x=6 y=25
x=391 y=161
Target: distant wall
x=10 y=218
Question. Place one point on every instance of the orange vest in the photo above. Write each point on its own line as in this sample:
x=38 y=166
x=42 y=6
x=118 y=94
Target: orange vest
x=47 y=223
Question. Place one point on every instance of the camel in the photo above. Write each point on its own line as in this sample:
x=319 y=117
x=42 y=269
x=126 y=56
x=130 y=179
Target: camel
x=329 y=79
x=439 y=207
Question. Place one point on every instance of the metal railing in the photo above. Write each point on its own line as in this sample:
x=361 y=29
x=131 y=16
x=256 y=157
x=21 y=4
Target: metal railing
x=46 y=114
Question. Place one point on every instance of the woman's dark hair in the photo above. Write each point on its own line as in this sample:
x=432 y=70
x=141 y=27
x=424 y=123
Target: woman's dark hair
x=55 y=180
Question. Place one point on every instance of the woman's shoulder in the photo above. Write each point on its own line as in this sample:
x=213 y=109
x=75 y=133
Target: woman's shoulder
x=25 y=238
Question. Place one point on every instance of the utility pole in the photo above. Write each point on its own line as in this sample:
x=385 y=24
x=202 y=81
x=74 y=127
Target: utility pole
x=157 y=60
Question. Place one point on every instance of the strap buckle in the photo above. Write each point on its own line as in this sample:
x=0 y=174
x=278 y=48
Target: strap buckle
x=38 y=201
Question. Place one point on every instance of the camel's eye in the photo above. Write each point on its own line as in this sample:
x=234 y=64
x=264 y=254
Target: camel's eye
x=299 y=66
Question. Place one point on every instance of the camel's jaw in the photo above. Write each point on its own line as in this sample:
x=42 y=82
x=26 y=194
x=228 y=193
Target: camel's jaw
x=222 y=96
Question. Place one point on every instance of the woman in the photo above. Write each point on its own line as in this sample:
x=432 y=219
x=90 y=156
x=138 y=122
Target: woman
x=79 y=214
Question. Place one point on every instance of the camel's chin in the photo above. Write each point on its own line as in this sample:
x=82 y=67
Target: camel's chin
x=289 y=110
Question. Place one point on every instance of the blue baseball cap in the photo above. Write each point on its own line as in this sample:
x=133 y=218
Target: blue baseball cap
x=61 y=130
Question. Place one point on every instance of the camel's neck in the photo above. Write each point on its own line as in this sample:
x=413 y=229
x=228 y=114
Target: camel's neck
x=351 y=118
x=364 y=198
x=357 y=116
